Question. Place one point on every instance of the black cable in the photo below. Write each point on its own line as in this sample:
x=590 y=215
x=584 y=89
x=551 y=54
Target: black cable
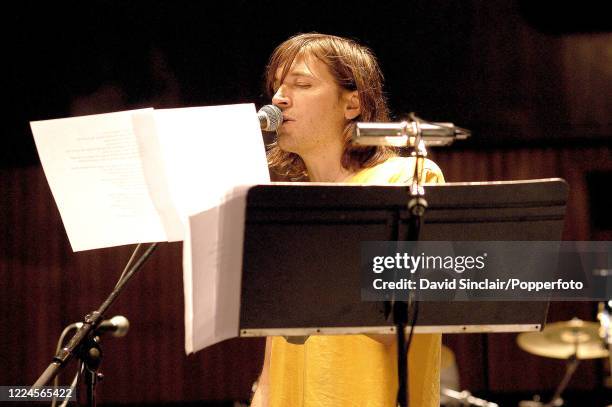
x=129 y=264
x=415 y=314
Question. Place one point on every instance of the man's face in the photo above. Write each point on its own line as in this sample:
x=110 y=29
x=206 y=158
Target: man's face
x=313 y=107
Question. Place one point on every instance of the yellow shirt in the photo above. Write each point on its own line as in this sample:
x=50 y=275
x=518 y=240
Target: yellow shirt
x=355 y=370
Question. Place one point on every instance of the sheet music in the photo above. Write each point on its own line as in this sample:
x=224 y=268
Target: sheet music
x=93 y=167
x=135 y=176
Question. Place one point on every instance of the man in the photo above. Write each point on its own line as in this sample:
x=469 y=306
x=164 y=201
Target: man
x=324 y=84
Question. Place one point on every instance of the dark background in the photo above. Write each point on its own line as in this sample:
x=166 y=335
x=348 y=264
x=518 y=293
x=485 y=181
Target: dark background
x=532 y=80
x=514 y=72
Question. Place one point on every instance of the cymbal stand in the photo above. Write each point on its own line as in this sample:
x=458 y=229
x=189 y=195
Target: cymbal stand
x=570 y=368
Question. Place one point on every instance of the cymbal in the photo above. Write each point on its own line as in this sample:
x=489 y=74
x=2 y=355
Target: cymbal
x=560 y=340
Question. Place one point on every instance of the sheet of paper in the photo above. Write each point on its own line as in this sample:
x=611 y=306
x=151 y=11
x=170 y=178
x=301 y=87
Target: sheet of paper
x=93 y=166
x=135 y=176
x=155 y=174
x=212 y=264
x=219 y=147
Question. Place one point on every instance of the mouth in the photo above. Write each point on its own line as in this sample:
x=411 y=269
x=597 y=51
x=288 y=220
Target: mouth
x=288 y=119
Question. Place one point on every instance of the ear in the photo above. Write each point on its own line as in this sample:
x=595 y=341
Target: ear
x=352 y=107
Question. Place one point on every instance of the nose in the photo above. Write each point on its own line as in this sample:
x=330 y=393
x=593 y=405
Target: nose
x=281 y=99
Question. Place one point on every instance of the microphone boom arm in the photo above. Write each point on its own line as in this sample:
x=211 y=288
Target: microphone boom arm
x=90 y=323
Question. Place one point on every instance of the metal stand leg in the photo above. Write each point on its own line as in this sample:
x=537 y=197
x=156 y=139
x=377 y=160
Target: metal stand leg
x=570 y=368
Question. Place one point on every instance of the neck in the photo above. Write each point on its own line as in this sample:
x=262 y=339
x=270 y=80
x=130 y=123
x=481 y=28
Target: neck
x=332 y=173
x=326 y=166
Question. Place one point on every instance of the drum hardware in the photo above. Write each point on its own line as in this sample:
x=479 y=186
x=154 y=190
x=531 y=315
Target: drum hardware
x=572 y=341
x=604 y=315
x=466 y=398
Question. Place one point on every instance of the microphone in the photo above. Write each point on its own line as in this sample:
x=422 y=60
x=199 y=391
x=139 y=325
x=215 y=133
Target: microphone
x=117 y=325
x=270 y=117
x=402 y=134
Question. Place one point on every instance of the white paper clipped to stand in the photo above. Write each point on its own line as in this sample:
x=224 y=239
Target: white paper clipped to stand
x=135 y=176
x=212 y=270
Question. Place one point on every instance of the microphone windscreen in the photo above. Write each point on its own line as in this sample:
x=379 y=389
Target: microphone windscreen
x=121 y=325
x=273 y=115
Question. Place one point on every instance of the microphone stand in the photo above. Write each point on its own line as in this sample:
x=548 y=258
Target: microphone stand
x=91 y=355
x=401 y=309
x=85 y=344
x=398 y=135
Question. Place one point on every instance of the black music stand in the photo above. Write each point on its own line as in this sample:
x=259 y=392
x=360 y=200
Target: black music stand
x=301 y=261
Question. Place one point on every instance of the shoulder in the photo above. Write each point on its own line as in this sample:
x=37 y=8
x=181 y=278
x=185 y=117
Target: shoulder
x=399 y=170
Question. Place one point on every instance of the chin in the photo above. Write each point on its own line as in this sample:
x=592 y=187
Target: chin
x=284 y=143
